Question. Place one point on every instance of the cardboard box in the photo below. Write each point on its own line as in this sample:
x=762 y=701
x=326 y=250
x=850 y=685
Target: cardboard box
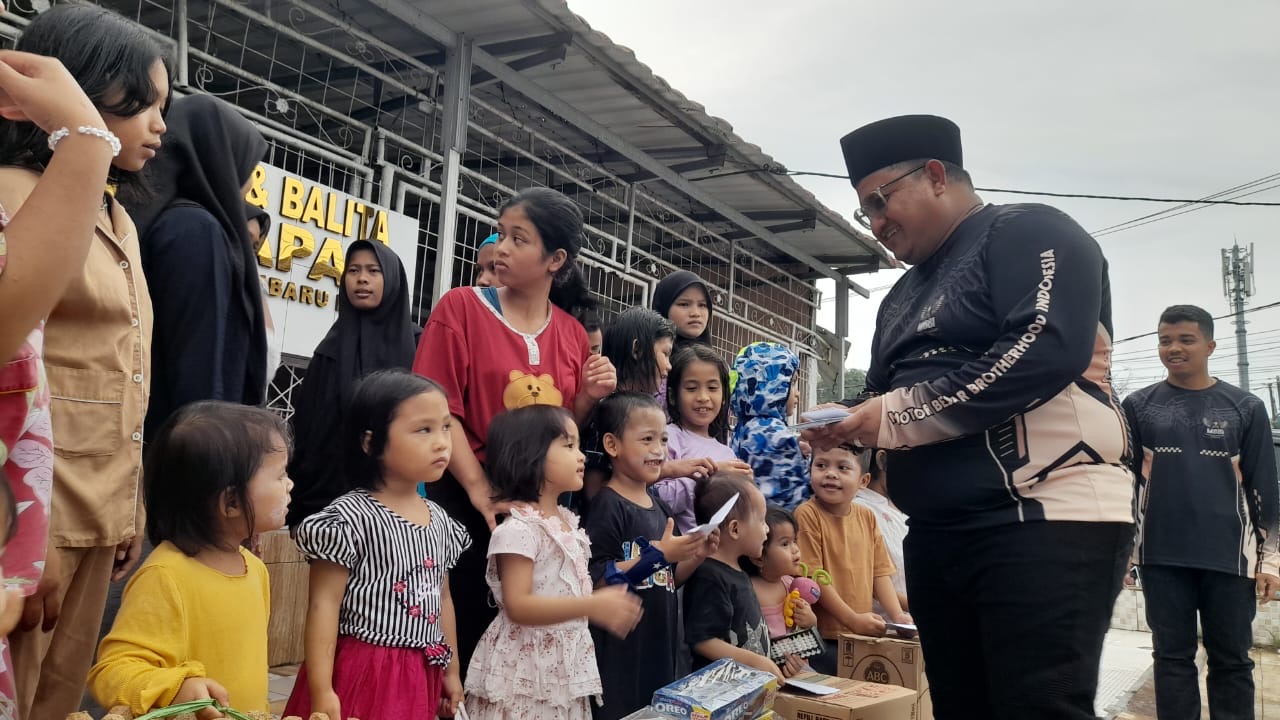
x=723 y=690
x=887 y=660
x=854 y=701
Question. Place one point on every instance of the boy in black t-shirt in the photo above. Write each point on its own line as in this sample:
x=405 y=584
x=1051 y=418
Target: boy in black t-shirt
x=722 y=617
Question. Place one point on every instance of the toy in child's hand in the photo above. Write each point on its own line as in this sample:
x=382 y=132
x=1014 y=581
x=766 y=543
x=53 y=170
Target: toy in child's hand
x=808 y=589
x=801 y=643
x=789 y=608
x=802 y=588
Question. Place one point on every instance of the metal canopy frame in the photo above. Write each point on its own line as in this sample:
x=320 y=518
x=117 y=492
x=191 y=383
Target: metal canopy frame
x=435 y=30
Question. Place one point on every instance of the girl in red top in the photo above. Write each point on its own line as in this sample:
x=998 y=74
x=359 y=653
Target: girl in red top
x=496 y=349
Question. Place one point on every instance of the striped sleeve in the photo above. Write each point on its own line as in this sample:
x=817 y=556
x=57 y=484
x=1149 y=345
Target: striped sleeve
x=329 y=535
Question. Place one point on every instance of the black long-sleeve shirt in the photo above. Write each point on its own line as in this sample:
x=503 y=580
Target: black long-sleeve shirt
x=1208 y=497
x=993 y=357
x=201 y=347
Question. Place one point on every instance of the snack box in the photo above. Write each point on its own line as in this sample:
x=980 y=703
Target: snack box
x=723 y=690
x=850 y=700
x=648 y=713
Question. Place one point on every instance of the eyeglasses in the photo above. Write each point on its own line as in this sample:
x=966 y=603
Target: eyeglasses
x=875 y=203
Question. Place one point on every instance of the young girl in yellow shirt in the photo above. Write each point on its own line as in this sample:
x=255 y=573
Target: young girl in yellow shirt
x=193 y=622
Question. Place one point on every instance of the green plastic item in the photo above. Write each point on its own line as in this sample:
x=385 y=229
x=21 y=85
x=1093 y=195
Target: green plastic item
x=193 y=706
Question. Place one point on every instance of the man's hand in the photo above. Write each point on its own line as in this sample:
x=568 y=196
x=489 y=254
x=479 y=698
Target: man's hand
x=1268 y=586
x=46 y=603
x=862 y=427
x=485 y=505
x=127 y=554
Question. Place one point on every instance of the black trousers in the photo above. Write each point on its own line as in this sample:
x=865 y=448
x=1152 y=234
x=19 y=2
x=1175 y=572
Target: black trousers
x=1012 y=618
x=473 y=607
x=1226 y=605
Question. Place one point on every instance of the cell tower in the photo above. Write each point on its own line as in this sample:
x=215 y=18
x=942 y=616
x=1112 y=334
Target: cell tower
x=1237 y=285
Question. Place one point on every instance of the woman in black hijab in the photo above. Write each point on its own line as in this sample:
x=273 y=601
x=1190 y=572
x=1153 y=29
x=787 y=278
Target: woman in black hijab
x=373 y=332
x=209 y=340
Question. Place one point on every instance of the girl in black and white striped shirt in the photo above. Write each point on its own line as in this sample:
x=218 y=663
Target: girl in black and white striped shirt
x=381 y=623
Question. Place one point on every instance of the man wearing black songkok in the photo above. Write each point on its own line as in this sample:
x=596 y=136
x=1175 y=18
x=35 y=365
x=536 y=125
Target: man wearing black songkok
x=989 y=388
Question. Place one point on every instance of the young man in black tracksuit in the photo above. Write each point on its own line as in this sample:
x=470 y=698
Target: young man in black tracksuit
x=1208 y=520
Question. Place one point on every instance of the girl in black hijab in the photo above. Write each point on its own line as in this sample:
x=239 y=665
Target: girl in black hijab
x=209 y=341
x=682 y=298
x=373 y=332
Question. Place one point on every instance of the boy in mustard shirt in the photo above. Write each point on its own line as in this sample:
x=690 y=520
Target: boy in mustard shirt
x=841 y=537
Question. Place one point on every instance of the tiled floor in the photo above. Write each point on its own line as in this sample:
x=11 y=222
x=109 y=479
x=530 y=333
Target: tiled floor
x=1266 y=680
x=279 y=685
x=1126 y=663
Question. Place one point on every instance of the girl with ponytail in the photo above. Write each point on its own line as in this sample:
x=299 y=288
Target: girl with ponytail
x=497 y=349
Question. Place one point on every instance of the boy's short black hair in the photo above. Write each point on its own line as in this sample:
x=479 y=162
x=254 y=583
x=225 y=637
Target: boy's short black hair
x=774 y=515
x=517 y=449
x=711 y=493
x=204 y=455
x=373 y=406
x=610 y=415
x=859 y=454
x=1189 y=313
x=867 y=461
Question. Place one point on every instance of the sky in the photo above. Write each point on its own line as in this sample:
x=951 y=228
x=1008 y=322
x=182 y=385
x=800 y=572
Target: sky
x=1158 y=99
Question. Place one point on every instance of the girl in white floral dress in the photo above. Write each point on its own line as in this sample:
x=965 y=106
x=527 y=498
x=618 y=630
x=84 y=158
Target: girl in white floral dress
x=537 y=659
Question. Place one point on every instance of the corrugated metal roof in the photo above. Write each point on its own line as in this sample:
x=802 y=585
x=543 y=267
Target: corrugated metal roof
x=599 y=79
x=607 y=82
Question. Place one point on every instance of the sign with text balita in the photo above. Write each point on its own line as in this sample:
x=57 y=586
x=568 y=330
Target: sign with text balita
x=301 y=258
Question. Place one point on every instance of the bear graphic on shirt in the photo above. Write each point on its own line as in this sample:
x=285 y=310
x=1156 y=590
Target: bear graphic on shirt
x=525 y=390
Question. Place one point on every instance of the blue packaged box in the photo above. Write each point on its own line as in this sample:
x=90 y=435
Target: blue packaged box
x=723 y=690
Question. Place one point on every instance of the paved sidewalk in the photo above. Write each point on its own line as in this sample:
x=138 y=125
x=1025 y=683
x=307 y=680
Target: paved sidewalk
x=1126 y=665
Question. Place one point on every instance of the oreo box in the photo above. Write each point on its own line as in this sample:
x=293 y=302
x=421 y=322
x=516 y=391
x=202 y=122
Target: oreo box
x=723 y=690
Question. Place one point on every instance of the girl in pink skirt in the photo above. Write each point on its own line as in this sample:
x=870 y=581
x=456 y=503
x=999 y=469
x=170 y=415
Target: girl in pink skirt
x=537 y=659
x=380 y=623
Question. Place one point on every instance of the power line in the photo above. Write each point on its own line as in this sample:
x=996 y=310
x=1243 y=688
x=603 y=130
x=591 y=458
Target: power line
x=1135 y=224
x=1238 y=188
x=1267 y=343
x=779 y=170
x=1217 y=317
